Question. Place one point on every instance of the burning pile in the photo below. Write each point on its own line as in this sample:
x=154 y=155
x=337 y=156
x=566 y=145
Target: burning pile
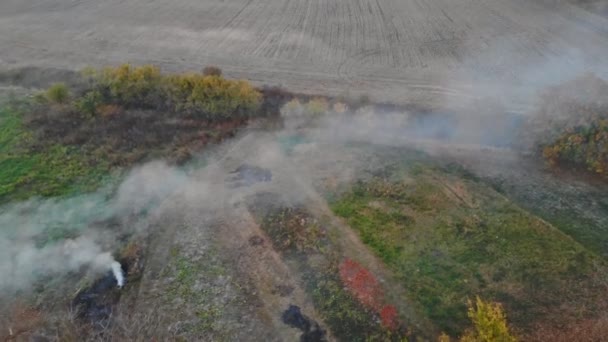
x=95 y=303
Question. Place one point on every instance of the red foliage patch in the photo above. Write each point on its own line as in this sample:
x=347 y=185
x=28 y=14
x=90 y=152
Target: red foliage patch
x=388 y=315
x=365 y=287
x=361 y=283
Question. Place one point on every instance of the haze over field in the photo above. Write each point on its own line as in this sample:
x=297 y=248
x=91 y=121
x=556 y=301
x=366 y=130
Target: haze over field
x=425 y=170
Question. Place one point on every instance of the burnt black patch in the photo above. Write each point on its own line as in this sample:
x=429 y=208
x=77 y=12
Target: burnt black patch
x=94 y=304
x=311 y=331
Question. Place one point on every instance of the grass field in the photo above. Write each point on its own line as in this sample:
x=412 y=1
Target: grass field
x=579 y=212
x=56 y=170
x=449 y=237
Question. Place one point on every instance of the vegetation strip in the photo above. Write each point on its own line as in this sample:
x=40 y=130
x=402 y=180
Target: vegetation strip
x=448 y=240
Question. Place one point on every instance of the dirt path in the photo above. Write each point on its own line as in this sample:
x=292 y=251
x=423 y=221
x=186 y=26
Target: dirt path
x=394 y=50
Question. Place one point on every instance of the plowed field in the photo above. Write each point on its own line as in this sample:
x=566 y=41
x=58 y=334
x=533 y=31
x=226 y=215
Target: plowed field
x=392 y=50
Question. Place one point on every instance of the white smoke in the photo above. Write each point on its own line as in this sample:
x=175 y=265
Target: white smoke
x=117 y=271
x=46 y=238
x=23 y=262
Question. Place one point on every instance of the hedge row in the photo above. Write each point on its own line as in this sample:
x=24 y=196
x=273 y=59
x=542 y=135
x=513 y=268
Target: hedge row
x=207 y=95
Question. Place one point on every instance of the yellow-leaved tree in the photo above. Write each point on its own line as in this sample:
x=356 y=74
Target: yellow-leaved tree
x=137 y=86
x=489 y=323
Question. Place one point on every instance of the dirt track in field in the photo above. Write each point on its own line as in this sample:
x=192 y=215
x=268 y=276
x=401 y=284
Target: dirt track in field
x=392 y=50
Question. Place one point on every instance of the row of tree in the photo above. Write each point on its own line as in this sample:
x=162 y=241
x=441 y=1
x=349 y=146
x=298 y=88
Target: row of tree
x=204 y=95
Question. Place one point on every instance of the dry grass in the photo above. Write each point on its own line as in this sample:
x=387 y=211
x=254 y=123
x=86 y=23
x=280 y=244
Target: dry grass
x=21 y=321
x=588 y=330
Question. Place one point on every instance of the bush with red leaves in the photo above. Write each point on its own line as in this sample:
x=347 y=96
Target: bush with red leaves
x=361 y=283
x=366 y=289
x=389 y=318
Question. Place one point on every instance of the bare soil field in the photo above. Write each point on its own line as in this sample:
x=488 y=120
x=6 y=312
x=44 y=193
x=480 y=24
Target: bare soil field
x=394 y=50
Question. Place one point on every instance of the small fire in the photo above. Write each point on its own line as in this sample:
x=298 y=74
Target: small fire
x=117 y=271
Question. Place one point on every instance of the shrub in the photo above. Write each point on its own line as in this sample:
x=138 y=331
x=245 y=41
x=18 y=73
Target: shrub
x=489 y=322
x=88 y=103
x=178 y=89
x=208 y=96
x=292 y=108
x=443 y=338
x=317 y=106
x=340 y=107
x=58 y=93
x=389 y=316
x=132 y=86
x=212 y=97
x=570 y=126
x=583 y=146
x=218 y=96
x=90 y=75
x=212 y=71
x=361 y=283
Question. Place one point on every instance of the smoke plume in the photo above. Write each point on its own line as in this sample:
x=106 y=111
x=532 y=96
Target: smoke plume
x=46 y=238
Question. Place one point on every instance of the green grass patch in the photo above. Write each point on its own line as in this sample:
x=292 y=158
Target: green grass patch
x=448 y=237
x=583 y=217
x=56 y=170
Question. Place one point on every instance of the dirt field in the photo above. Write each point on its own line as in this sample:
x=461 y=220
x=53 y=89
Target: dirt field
x=392 y=50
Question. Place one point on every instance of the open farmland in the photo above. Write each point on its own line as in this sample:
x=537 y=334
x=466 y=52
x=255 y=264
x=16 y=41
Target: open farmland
x=391 y=50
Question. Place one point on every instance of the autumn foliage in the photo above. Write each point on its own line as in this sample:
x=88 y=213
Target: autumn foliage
x=570 y=127
x=212 y=96
x=362 y=284
x=389 y=317
x=585 y=146
x=208 y=96
x=489 y=322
